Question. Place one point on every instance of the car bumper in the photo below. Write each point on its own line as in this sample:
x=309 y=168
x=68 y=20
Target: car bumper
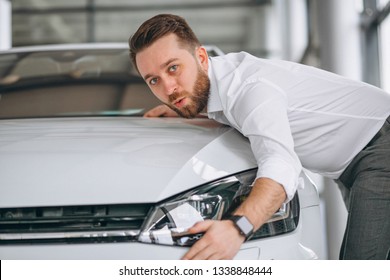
x=300 y=244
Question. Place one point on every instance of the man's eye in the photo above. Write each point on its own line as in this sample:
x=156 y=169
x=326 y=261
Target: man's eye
x=173 y=68
x=153 y=81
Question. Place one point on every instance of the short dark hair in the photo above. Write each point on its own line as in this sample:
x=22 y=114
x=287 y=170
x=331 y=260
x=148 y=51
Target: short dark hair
x=158 y=27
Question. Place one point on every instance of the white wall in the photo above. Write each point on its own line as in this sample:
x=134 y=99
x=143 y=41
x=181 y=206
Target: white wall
x=5 y=25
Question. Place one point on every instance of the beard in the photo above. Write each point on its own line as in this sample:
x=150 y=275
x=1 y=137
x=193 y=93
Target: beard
x=197 y=99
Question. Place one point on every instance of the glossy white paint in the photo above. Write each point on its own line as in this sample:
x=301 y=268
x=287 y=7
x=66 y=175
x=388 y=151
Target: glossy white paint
x=78 y=161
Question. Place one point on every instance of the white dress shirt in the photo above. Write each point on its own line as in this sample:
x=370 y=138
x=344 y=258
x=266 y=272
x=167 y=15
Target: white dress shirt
x=295 y=115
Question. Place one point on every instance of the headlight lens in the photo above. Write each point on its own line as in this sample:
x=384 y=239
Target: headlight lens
x=168 y=222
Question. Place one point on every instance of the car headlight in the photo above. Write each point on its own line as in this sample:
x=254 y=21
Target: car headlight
x=169 y=220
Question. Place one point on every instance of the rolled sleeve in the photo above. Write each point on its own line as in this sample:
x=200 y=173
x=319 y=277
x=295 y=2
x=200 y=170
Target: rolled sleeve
x=282 y=173
x=261 y=114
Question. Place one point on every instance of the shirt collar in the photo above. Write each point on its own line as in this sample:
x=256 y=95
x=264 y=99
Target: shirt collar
x=214 y=103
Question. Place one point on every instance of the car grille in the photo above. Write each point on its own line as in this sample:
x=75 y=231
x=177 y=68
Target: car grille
x=72 y=224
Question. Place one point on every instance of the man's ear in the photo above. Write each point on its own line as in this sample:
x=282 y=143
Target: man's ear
x=203 y=57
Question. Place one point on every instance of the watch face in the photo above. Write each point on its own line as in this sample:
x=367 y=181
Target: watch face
x=243 y=224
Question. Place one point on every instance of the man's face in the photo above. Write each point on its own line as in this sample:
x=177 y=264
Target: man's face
x=177 y=77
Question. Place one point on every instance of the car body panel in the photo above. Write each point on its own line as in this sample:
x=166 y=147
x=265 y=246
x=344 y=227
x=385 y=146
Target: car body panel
x=84 y=161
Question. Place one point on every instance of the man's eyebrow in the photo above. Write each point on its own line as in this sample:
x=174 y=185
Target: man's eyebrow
x=163 y=65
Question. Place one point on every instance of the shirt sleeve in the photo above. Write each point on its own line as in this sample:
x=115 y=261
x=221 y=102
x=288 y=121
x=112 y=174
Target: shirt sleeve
x=261 y=113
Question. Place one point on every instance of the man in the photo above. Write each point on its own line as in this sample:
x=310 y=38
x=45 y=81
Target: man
x=293 y=115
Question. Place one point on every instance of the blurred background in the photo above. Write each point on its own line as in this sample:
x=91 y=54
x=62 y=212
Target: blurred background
x=348 y=37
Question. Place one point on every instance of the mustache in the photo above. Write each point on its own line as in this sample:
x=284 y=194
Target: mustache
x=175 y=96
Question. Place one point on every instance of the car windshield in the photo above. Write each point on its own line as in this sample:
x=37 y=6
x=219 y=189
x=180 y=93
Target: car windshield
x=71 y=82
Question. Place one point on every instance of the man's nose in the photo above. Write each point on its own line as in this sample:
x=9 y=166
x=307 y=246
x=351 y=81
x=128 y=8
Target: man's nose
x=170 y=85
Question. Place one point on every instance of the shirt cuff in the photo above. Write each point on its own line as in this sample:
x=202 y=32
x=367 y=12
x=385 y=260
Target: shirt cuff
x=282 y=173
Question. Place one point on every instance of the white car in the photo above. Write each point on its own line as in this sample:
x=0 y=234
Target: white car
x=84 y=176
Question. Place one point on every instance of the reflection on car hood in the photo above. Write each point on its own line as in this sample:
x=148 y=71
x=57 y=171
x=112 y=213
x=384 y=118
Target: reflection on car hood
x=103 y=160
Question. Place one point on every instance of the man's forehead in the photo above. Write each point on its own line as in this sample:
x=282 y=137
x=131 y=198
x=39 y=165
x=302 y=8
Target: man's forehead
x=165 y=43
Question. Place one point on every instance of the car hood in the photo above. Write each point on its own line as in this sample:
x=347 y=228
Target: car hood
x=111 y=160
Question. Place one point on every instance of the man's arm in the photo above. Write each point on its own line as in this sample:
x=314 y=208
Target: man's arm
x=164 y=111
x=160 y=111
x=221 y=239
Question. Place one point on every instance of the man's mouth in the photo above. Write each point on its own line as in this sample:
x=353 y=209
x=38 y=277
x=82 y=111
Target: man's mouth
x=180 y=102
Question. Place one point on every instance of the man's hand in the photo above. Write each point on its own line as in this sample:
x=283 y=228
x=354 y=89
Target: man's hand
x=221 y=241
x=160 y=111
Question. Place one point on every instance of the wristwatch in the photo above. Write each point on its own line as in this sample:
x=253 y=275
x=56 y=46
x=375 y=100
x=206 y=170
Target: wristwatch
x=244 y=227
